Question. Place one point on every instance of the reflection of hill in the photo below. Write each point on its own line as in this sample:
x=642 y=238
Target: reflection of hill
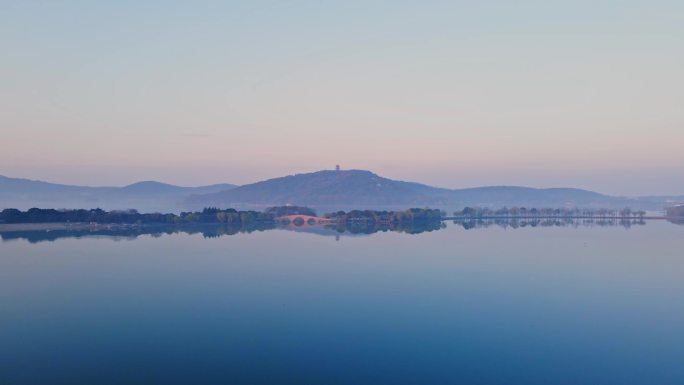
x=474 y=223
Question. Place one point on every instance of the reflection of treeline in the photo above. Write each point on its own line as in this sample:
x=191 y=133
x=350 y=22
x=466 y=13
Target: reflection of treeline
x=415 y=227
x=675 y=212
x=514 y=223
x=387 y=217
x=132 y=231
x=208 y=215
x=522 y=212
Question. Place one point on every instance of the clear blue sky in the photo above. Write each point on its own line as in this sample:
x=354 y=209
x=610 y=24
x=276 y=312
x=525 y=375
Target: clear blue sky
x=541 y=93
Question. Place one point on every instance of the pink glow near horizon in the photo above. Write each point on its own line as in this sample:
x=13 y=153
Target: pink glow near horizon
x=451 y=95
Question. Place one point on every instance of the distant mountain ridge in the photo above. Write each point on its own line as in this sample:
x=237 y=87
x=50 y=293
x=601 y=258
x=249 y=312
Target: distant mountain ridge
x=363 y=189
x=148 y=195
x=324 y=190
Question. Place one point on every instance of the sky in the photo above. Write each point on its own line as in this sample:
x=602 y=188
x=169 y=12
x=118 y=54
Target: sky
x=455 y=94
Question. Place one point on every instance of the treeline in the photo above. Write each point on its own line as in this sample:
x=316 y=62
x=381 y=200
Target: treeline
x=522 y=212
x=387 y=217
x=208 y=215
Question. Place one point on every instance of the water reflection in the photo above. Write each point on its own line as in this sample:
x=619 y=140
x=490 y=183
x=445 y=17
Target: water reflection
x=559 y=305
x=477 y=223
x=676 y=221
x=123 y=232
x=371 y=228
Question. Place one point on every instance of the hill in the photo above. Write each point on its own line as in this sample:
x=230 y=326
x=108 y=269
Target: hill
x=328 y=188
x=348 y=189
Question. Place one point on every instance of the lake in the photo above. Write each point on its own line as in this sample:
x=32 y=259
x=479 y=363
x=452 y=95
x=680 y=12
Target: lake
x=457 y=305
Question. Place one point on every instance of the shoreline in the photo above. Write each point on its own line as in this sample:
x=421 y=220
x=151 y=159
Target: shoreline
x=50 y=226
x=451 y=218
x=63 y=226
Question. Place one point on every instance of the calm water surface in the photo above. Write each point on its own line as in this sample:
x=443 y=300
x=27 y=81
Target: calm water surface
x=587 y=305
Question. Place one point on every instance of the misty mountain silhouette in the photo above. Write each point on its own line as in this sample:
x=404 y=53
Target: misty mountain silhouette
x=324 y=190
x=148 y=195
x=329 y=187
x=364 y=189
